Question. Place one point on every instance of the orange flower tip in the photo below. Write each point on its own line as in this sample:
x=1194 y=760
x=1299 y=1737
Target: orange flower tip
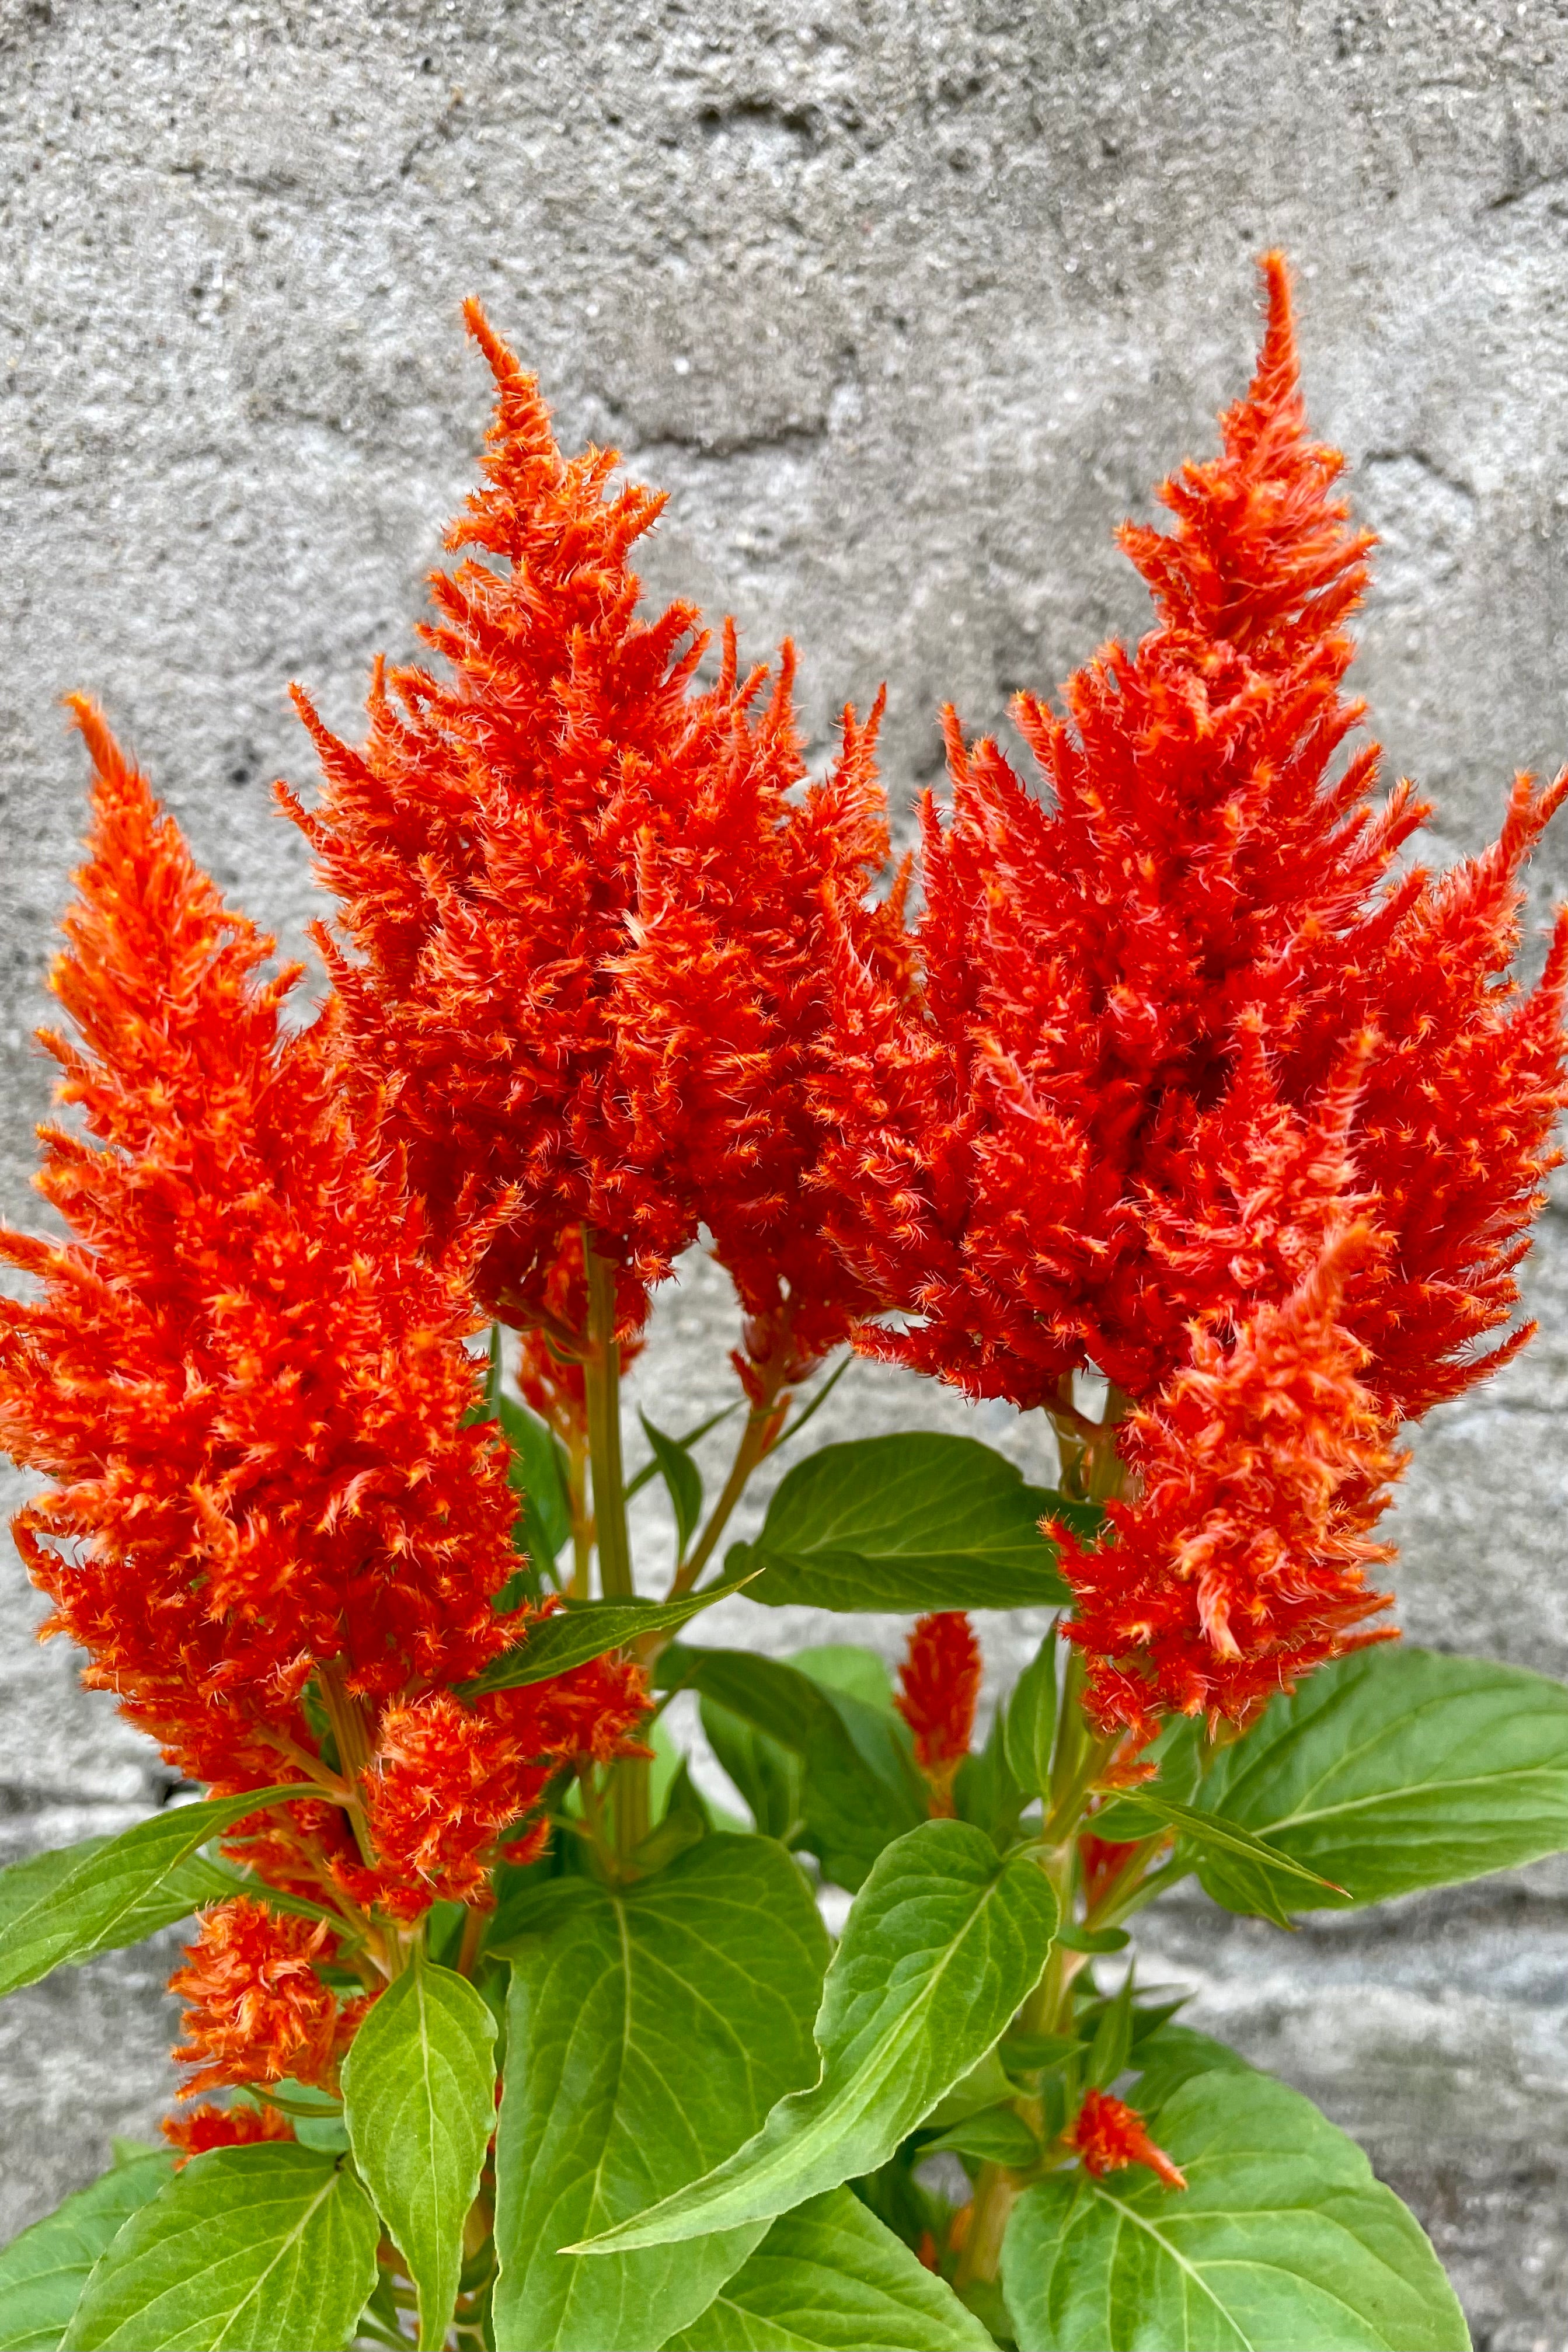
x=1110 y=2135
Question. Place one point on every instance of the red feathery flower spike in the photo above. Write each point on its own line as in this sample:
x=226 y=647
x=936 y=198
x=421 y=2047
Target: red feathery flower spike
x=1110 y=2135
x=1177 y=1029
x=938 y=1683
x=584 y=905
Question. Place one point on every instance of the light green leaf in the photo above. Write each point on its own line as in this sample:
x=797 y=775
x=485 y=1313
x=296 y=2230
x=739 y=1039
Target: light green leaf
x=941 y=1946
x=1396 y=1768
x=771 y=1778
x=537 y=1472
x=1031 y=1720
x=858 y=1791
x=917 y=1521
x=579 y=1630
x=845 y=1666
x=650 y=1470
x=43 y=2272
x=420 y=2102
x=649 y=2029
x=1281 y=2240
x=995 y=2135
x=1251 y=1861
x=264 y=2249
x=682 y=1479
x=109 y=1892
x=830 y=2277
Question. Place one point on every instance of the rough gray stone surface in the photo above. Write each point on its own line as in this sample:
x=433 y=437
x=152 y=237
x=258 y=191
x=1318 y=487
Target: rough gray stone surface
x=906 y=304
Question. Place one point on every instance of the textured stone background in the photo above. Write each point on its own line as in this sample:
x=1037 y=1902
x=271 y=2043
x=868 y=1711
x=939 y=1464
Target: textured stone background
x=907 y=303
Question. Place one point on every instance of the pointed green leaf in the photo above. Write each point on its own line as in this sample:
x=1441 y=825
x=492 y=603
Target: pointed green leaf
x=579 y=1630
x=420 y=2102
x=109 y=1892
x=43 y=2272
x=769 y=1777
x=1393 y=1769
x=858 y=1791
x=1266 y=1866
x=650 y=1470
x=1282 y=2240
x=649 y=2029
x=995 y=2135
x=265 y=2249
x=537 y=1471
x=915 y=1521
x=941 y=1946
x=682 y=1479
x=830 y=2277
x=1031 y=1720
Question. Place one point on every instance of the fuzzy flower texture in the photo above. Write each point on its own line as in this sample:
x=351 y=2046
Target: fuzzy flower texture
x=1198 y=1088
x=1179 y=1076
x=245 y=1375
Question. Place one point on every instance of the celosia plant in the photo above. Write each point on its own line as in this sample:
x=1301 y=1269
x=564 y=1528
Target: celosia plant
x=1180 y=1092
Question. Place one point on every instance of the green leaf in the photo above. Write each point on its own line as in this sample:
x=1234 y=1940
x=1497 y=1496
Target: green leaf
x=995 y=2135
x=1392 y=1770
x=579 y=1630
x=1112 y=2044
x=1282 y=2240
x=419 y=2102
x=1171 y=2056
x=538 y=1474
x=985 y=1792
x=830 y=2277
x=939 y=1947
x=984 y=2085
x=918 y=1521
x=264 y=2249
x=1031 y=1720
x=809 y=1411
x=1266 y=1866
x=845 y=1666
x=650 y=1470
x=43 y=2272
x=651 y=2027
x=769 y=1777
x=109 y=1892
x=1093 y=1939
x=859 y=1791
x=683 y=1482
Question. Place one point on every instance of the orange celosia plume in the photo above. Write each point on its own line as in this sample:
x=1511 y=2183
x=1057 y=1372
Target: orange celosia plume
x=206 y=2125
x=247 y=1373
x=1110 y=2135
x=583 y=904
x=256 y=2009
x=1178 y=1027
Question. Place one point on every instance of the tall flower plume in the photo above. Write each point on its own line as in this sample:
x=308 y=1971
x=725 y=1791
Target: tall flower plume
x=1181 y=1024
x=579 y=902
x=939 y=1688
x=245 y=1372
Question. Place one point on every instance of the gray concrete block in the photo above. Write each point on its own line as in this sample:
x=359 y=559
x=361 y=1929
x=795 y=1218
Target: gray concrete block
x=906 y=306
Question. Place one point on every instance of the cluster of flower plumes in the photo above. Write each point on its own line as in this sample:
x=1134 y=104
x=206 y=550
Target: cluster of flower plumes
x=1195 y=1088
x=1176 y=1077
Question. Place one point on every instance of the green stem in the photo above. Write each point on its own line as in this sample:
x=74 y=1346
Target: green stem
x=1093 y=1469
x=756 y=1440
x=602 y=1392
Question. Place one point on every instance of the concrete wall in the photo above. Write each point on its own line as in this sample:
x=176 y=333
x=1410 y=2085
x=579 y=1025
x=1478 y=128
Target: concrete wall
x=907 y=303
